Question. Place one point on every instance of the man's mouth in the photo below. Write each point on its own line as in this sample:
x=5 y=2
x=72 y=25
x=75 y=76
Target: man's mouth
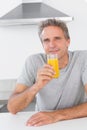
x=54 y=51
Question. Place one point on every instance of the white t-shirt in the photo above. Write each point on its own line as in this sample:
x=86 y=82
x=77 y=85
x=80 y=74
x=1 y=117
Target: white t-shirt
x=66 y=91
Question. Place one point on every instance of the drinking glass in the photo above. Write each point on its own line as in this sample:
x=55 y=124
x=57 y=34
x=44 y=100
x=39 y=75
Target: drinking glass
x=52 y=59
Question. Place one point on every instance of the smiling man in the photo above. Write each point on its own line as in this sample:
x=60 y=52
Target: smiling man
x=59 y=98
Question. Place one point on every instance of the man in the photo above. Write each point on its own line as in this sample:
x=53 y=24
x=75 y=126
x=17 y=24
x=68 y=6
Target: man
x=56 y=98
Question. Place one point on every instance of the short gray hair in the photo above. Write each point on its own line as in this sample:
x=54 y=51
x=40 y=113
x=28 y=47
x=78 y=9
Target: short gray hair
x=54 y=22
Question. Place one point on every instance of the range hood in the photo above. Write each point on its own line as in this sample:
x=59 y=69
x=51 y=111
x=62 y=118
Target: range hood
x=32 y=13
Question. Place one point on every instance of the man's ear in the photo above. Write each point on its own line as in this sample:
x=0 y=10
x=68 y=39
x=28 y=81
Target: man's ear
x=68 y=42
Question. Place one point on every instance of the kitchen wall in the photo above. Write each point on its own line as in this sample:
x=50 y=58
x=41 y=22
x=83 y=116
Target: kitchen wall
x=17 y=42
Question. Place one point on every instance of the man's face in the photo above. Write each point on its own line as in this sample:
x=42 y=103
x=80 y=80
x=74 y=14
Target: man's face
x=54 y=41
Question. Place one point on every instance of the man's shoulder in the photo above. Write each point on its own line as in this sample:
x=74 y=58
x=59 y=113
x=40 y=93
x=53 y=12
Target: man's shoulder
x=80 y=54
x=36 y=57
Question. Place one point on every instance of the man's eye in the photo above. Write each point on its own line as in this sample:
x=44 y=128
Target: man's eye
x=58 y=38
x=45 y=40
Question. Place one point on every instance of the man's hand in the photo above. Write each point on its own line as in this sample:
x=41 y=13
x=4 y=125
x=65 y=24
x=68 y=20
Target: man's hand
x=41 y=118
x=44 y=118
x=44 y=75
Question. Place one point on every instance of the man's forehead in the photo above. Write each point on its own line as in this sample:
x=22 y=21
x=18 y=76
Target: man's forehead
x=51 y=30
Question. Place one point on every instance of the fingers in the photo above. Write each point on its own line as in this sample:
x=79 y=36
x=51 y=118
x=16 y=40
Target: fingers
x=44 y=75
x=39 y=119
x=47 y=72
x=34 y=121
x=38 y=122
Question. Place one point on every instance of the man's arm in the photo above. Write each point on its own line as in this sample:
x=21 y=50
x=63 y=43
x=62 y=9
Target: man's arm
x=21 y=97
x=86 y=89
x=43 y=118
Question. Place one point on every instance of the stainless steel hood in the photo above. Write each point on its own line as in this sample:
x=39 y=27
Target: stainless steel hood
x=32 y=13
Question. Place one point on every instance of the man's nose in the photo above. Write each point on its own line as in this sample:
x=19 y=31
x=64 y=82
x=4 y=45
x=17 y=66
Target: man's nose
x=52 y=44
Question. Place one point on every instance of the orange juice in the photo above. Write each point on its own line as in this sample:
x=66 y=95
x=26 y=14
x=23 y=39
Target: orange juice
x=53 y=60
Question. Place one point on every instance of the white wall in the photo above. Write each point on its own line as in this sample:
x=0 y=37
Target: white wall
x=17 y=42
x=7 y=5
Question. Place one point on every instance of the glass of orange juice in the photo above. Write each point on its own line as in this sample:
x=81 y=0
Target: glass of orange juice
x=52 y=59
